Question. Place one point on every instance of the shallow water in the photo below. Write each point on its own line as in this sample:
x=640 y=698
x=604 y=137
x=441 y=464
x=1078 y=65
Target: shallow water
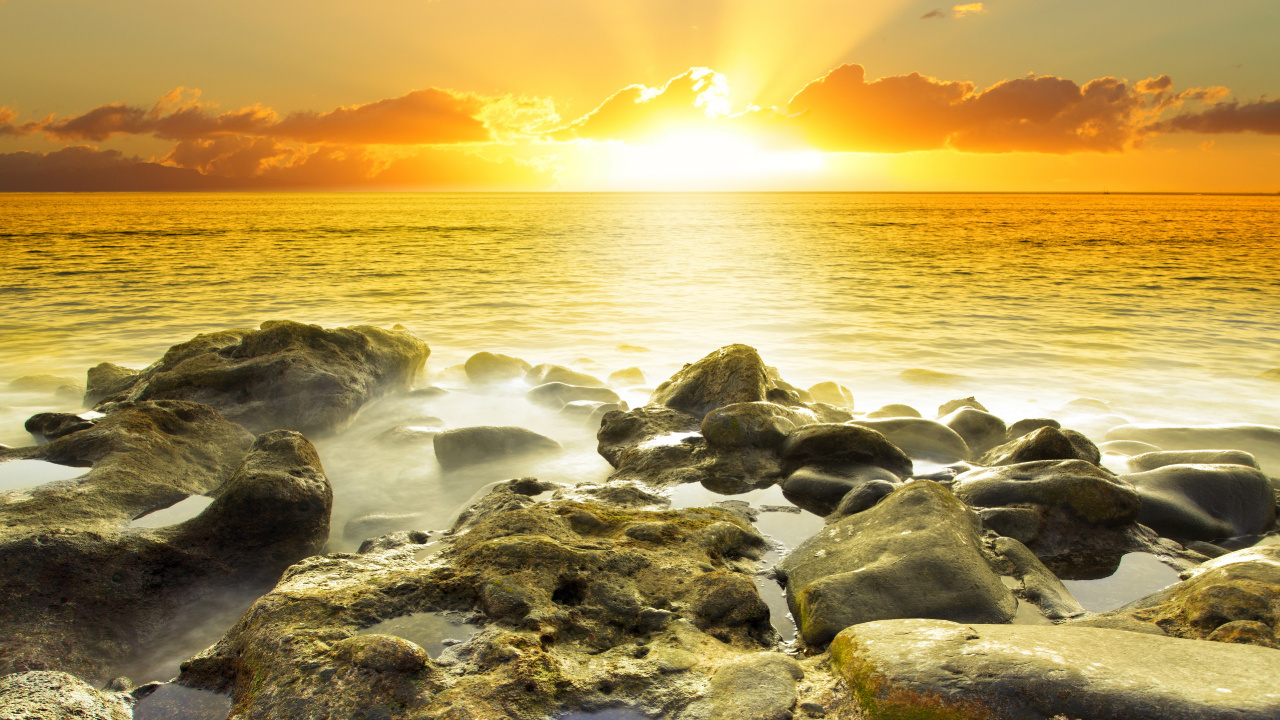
x=176 y=702
x=432 y=631
x=180 y=511
x=1139 y=575
x=26 y=474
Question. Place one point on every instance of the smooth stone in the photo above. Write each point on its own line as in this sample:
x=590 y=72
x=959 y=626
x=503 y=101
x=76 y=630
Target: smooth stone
x=829 y=444
x=894 y=410
x=1155 y=460
x=759 y=424
x=583 y=409
x=1091 y=493
x=1263 y=441
x=1128 y=447
x=548 y=373
x=627 y=377
x=951 y=406
x=920 y=438
x=1029 y=425
x=471 y=445
x=915 y=554
x=1087 y=405
x=421 y=432
x=822 y=492
x=862 y=497
x=52 y=695
x=556 y=395
x=916 y=668
x=832 y=393
x=1039 y=585
x=1205 y=502
x=1047 y=443
x=732 y=374
x=485 y=367
x=757 y=687
x=980 y=429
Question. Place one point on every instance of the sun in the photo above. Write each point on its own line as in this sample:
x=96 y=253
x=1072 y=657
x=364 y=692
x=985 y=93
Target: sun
x=704 y=160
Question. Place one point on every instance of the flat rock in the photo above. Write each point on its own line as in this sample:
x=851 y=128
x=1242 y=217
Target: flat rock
x=918 y=553
x=1046 y=443
x=732 y=374
x=939 y=669
x=920 y=438
x=471 y=445
x=1205 y=502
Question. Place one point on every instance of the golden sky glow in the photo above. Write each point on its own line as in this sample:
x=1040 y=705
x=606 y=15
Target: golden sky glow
x=631 y=95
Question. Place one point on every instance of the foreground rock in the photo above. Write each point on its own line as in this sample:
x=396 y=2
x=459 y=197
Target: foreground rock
x=471 y=445
x=80 y=589
x=1263 y=441
x=285 y=375
x=1205 y=502
x=575 y=605
x=939 y=669
x=918 y=553
x=43 y=695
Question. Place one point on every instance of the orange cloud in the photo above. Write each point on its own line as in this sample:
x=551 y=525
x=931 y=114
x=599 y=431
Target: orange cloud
x=967 y=9
x=7 y=127
x=638 y=113
x=1262 y=116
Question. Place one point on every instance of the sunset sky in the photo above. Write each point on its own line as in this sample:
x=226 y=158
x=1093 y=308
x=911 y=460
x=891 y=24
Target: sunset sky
x=1023 y=95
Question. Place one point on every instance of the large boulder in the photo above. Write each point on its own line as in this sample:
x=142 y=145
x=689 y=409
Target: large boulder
x=759 y=424
x=918 y=553
x=486 y=367
x=1046 y=443
x=980 y=429
x=1205 y=502
x=471 y=445
x=837 y=445
x=548 y=373
x=1153 y=460
x=732 y=374
x=938 y=669
x=821 y=492
x=285 y=375
x=80 y=588
x=556 y=395
x=1091 y=493
x=920 y=438
x=1263 y=441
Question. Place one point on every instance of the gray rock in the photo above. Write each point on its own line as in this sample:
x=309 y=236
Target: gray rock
x=286 y=375
x=861 y=498
x=759 y=424
x=49 y=695
x=1047 y=443
x=1205 y=502
x=915 y=554
x=1154 y=460
x=556 y=395
x=1263 y=441
x=980 y=430
x=471 y=445
x=832 y=393
x=627 y=377
x=51 y=426
x=828 y=444
x=1091 y=493
x=548 y=373
x=951 y=406
x=822 y=492
x=920 y=438
x=486 y=367
x=1029 y=425
x=939 y=669
x=894 y=410
x=756 y=687
x=732 y=374
x=624 y=431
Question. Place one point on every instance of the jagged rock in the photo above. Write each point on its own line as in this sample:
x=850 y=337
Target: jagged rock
x=951 y=406
x=470 y=445
x=580 y=614
x=980 y=430
x=831 y=445
x=1263 y=441
x=822 y=492
x=832 y=393
x=1029 y=425
x=79 y=589
x=548 y=373
x=920 y=438
x=937 y=669
x=486 y=367
x=556 y=395
x=1240 y=587
x=1047 y=443
x=917 y=553
x=285 y=375
x=894 y=410
x=759 y=424
x=46 y=695
x=1205 y=502
x=627 y=377
x=756 y=687
x=1155 y=460
x=732 y=374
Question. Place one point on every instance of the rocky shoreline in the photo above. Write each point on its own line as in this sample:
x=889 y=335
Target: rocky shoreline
x=935 y=588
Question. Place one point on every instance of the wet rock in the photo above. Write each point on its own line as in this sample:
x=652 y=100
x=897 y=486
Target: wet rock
x=861 y=498
x=45 y=695
x=1154 y=460
x=951 y=406
x=822 y=492
x=1039 y=586
x=727 y=599
x=915 y=554
x=471 y=445
x=621 y=494
x=894 y=410
x=420 y=432
x=626 y=348
x=1087 y=405
x=1232 y=591
x=285 y=375
x=732 y=374
x=393 y=540
x=1047 y=443
x=759 y=424
x=1091 y=493
x=1128 y=447
x=79 y=590
x=1021 y=524
x=831 y=445
x=1030 y=425
x=548 y=373
x=1263 y=441
x=756 y=687
x=934 y=668
x=486 y=367
x=107 y=379
x=556 y=395
x=596 y=419
x=625 y=431
x=832 y=393
x=51 y=426
x=980 y=430
x=627 y=377
x=920 y=438
x=1205 y=502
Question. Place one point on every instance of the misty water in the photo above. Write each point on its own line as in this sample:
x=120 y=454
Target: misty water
x=1164 y=308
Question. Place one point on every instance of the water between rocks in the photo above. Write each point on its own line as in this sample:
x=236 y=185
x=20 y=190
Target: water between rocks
x=432 y=631
x=177 y=702
x=27 y=474
x=1139 y=575
x=178 y=512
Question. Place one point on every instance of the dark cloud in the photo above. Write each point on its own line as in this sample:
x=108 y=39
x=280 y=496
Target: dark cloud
x=933 y=14
x=1262 y=116
x=85 y=169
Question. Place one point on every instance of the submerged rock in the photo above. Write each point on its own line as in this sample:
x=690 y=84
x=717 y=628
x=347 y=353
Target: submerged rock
x=548 y=373
x=832 y=393
x=627 y=377
x=285 y=375
x=918 y=553
x=951 y=406
x=556 y=395
x=894 y=410
x=49 y=695
x=920 y=376
x=1029 y=425
x=1263 y=441
x=1154 y=460
x=980 y=430
x=920 y=438
x=732 y=374
x=486 y=367
x=1205 y=502
x=471 y=445
x=1046 y=443
x=938 y=669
